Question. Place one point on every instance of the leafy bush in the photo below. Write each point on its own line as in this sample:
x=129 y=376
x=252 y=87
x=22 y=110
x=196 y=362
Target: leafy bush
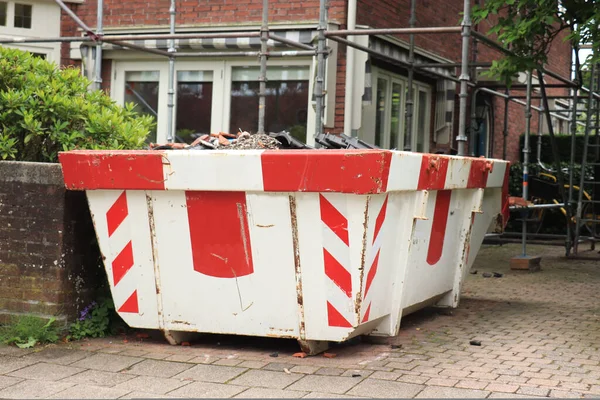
x=44 y=110
x=96 y=320
x=27 y=330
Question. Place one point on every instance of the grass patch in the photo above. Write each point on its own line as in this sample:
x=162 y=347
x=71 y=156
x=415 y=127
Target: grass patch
x=26 y=331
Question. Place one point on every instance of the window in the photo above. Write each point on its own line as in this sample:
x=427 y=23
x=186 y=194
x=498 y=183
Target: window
x=384 y=123
x=141 y=88
x=194 y=103
x=3 y=13
x=23 y=16
x=286 y=102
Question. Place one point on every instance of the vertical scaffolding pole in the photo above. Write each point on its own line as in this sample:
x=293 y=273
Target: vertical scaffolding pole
x=464 y=79
x=171 y=100
x=350 y=60
x=505 y=130
x=573 y=127
x=319 y=96
x=588 y=121
x=411 y=72
x=99 y=32
x=264 y=37
x=526 y=152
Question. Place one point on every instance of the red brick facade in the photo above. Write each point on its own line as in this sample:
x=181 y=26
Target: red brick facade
x=374 y=13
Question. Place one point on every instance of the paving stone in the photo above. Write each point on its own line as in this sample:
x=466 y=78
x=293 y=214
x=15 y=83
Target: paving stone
x=415 y=379
x=317 y=395
x=387 y=376
x=261 y=393
x=57 y=356
x=14 y=351
x=511 y=396
x=325 y=384
x=450 y=392
x=144 y=395
x=229 y=362
x=533 y=391
x=278 y=366
x=304 y=369
x=207 y=390
x=33 y=390
x=158 y=368
x=151 y=384
x=98 y=378
x=179 y=357
x=46 y=372
x=6 y=381
x=500 y=387
x=565 y=394
x=441 y=382
x=107 y=362
x=252 y=364
x=469 y=384
x=267 y=379
x=330 y=371
x=385 y=389
x=89 y=392
x=211 y=373
x=362 y=373
x=9 y=364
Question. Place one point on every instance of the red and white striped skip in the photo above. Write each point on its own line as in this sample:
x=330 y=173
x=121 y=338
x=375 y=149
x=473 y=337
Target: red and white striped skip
x=317 y=245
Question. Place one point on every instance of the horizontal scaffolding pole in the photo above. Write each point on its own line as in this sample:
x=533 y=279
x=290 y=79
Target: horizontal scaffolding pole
x=451 y=65
x=395 y=31
x=388 y=58
x=291 y=42
x=248 y=54
x=536 y=206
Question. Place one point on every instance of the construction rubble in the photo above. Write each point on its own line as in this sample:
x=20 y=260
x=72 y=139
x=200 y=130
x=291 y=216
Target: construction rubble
x=259 y=141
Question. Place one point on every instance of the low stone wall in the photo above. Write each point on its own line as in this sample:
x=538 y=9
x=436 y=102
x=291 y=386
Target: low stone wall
x=49 y=258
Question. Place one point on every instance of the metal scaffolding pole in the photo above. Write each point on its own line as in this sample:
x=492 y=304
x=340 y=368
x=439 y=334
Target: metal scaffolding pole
x=395 y=31
x=264 y=38
x=171 y=92
x=585 y=155
x=464 y=79
x=247 y=54
x=99 y=32
x=526 y=152
x=573 y=127
x=411 y=73
x=505 y=128
x=320 y=79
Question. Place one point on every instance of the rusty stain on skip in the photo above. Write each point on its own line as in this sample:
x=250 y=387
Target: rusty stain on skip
x=265 y=226
x=300 y=298
x=363 y=254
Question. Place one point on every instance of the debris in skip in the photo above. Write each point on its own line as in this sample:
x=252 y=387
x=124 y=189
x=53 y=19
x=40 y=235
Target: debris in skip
x=244 y=140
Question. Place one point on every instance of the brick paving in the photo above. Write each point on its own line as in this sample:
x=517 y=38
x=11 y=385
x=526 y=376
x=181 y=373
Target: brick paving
x=539 y=336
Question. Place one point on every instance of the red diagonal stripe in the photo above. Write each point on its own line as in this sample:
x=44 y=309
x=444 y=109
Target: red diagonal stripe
x=433 y=172
x=131 y=304
x=380 y=219
x=372 y=273
x=122 y=263
x=334 y=318
x=366 y=317
x=334 y=219
x=337 y=273
x=116 y=214
x=438 y=226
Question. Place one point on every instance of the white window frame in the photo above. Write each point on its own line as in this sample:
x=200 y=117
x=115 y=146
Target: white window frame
x=367 y=131
x=222 y=74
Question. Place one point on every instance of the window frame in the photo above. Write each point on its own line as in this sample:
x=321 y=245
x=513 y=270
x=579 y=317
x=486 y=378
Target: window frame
x=367 y=131
x=221 y=101
x=14 y=15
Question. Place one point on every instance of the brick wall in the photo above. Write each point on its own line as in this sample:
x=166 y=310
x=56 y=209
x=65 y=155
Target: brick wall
x=48 y=252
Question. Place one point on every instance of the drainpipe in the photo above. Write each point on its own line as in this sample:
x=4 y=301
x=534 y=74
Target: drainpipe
x=410 y=101
x=350 y=57
x=99 y=32
x=171 y=102
x=464 y=80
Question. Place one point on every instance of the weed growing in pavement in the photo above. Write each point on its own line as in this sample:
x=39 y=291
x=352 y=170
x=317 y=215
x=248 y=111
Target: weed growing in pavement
x=26 y=331
x=98 y=319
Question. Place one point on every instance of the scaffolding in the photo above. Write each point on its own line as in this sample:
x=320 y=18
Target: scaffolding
x=576 y=218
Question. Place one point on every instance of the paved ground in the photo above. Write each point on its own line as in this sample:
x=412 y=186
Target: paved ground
x=539 y=336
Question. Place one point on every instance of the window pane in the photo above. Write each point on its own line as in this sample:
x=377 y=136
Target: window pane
x=422 y=124
x=144 y=93
x=3 y=6
x=286 y=103
x=396 y=115
x=409 y=141
x=23 y=16
x=380 y=113
x=194 y=104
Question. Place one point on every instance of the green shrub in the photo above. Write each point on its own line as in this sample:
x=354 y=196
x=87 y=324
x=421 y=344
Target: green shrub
x=96 y=320
x=564 y=148
x=44 y=110
x=27 y=330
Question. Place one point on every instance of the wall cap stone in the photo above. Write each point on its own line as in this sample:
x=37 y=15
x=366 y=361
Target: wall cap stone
x=31 y=172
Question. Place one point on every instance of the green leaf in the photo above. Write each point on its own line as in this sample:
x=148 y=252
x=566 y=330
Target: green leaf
x=30 y=343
